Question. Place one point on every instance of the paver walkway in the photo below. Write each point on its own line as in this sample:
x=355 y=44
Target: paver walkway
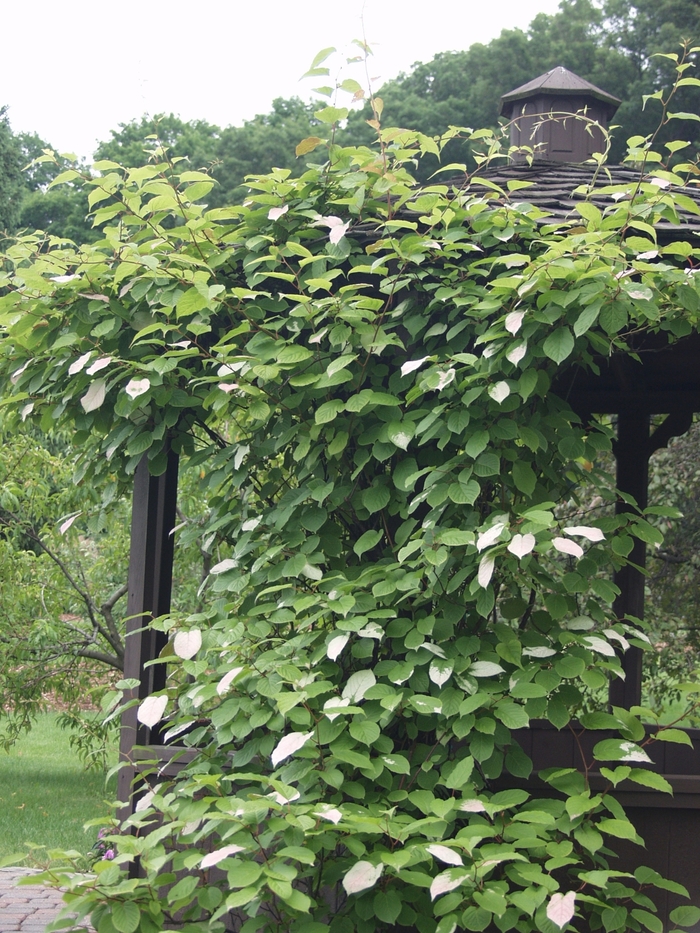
x=25 y=908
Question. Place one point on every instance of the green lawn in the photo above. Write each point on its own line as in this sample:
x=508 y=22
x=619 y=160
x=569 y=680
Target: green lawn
x=46 y=795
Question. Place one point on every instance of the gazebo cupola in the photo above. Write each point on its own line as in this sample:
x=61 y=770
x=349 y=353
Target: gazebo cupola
x=559 y=116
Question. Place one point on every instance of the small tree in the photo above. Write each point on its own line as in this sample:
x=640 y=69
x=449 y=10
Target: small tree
x=362 y=370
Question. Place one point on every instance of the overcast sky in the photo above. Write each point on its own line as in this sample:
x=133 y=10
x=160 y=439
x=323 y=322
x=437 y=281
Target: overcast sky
x=73 y=71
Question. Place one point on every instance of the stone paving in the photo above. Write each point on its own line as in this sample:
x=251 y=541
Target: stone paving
x=25 y=908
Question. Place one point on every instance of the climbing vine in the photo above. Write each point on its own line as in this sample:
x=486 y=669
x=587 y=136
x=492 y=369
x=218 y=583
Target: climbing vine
x=415 y=537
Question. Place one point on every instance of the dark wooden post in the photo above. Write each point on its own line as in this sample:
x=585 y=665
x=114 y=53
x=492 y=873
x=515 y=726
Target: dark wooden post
x=632 y=453
x=633 y=449
x=150 y=584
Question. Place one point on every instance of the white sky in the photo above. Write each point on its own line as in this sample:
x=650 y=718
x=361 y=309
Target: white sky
x=71 y=72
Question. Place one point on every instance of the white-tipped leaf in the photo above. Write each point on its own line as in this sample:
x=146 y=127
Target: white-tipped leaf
x=187 y=644
x=520 y=545
x=445 y=854
x=227 y=680
x=288 y=745
x=95 y=395
x=561 y=908
x=362 y=875
x=486 y=565
x=514 y=321
x=490 y=536
x=336 y=645
x=213 y=858
x=410 y=365
x=583 y=531
x=446 y=881
x=566 y=546
x=151 y=710
x=136 y=387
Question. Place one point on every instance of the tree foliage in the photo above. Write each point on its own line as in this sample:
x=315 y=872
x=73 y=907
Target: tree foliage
x=361 y=370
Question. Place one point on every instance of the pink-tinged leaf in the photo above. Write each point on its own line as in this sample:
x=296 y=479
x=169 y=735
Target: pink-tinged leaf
x=93 y=297
x=213 y=858
x=514 y=321
x=288 y=745
x=520 y=545
x=447 y=881
x=151 y=710
x=486 y=565
x=516 y=353
x=227 y=386
x=445 y=854
x=411 y=365
x=561 y=908
x=472 y=806
x=659 y=182
x=336 y=645
x=583 y=531
x=64 y=526
x=487 y=538
x=136 y=387
x=499 y=392
x=26 y=411
x=565 y=546
x=187 y=644
x=62 y=279
x=276 y=212
x=94 y=396
x=227 y=680
x=362 y=875
x=77 y=365
x=337 y=227
x=650 y=254
x=98 y=365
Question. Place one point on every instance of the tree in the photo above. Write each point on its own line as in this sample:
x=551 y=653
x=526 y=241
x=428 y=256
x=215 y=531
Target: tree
x=609 y=43
x=361 y=371
x=10 y=175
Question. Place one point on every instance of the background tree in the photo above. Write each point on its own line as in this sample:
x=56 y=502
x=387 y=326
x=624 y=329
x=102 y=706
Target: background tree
x=11 y=184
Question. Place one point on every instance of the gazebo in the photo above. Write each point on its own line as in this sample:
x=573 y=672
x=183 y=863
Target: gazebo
x=557 y=117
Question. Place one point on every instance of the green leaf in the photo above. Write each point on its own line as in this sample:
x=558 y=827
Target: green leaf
x=686 y=915
x=478 y=442
x=457 y=776
x=376 y=498
x=400 y=433
x=621 y=829
x=524 y=477
x=364 y=731
x=679 y=736
x=328 y=411
x=126 y=916
x=367 y=541
x=650 y=779
x=559 y=345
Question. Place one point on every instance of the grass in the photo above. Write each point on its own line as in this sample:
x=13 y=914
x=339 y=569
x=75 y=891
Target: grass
x=46 y=795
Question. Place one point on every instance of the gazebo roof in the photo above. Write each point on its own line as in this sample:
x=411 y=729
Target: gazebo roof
x=559 y=82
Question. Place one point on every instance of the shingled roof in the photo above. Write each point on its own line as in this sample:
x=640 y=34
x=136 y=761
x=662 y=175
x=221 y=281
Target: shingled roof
x=557 y=187
x=559 y=82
